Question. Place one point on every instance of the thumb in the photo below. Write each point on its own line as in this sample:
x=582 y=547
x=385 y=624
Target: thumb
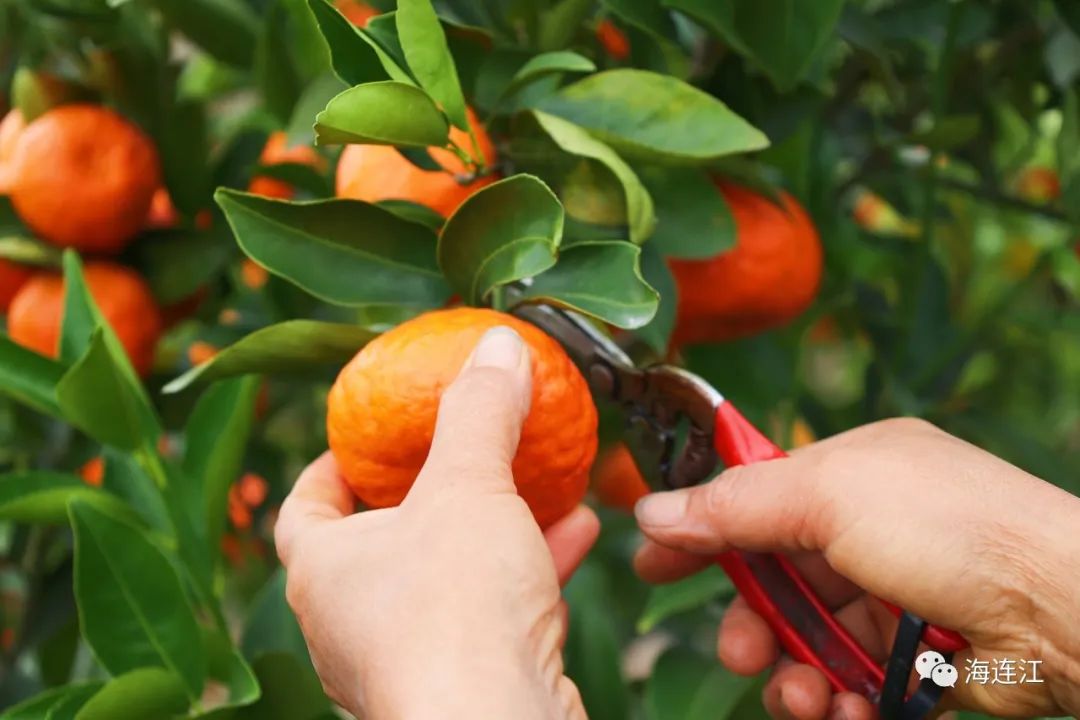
x=768 y=506
x=479 y=422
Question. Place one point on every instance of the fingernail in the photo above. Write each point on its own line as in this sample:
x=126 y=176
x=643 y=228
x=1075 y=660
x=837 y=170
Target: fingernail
x=500 y=347
x=661 y=509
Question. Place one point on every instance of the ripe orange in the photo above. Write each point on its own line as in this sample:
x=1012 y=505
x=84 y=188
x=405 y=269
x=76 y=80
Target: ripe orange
x=84 y=177
x=617 y=482
x=11 y=129
x=124 y=299
x=356 y=12
x=1039 y=185
x=379 y=172
x=253 y=275
x=381 y=411
x=200 y=352
x=276 y=151
x=93 y=471
x=12 y=278
x=613 y=40
x=768 y=278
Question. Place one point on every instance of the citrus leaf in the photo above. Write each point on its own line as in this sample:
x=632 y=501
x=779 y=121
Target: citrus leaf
x=354 y=56
x=655 y=271
x=504 y=232
x=601 y=279
x=314 y=98
x=687 y=686
x=691 y=593
x=229 y=668
x=224 y=28
x=42 y=496
x=29 y=378
x=286 y=347
x=561 y=22
x=132 y=608
x=781 y=36
x=95 y=397
x=592 y=645
x=217 y=433
x=39 y=706
x=27 y=250
x=653 y=116
x=414 y=212
x=382 y=113
x=345 y=252
x=138 y=695
x=424 y=44
x=291 y=690
x=693 y=219
x=276 y=76
x=382 y=31
x=271 y=626
x=180 y=262
x=576 y=141
x=549 y=63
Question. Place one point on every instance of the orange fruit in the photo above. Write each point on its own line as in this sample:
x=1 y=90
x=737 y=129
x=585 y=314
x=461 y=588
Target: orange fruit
x=12 y=278
x=200 y=352
x=93 y=471
x=277 y=151
x=617 y=482
x=11 y=129
x=356 y=12
x=84 y=177
x=379 y=172
x=612 y=39
x=1039 y=185
x=381 y=411
x=769 y=277
x=253 y=275
x=124 y=299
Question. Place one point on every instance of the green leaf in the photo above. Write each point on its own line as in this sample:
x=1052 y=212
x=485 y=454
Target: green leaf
x=655 y=271
x=286 y=347
x=217 y=434
x=128 y=480
x=781 y=36
x=95 y=397
x=355 y=57
x=41 y=496
x=562 y=21
x=39 y=706
x=291 y=691
x=576 y=141
x=224 y=28
x=27 y=250
x=276 y=77
x=316 y=95
x=414 y=212
x=549 y=63
x=653 y=116
x=424 y=44
x=132 y=608
x=184 y=148
x=271 y=626
x=345 y=252
x=593 y=660
x=143 y=694
x=29 y=378
x=300 y=176
x=691 y=593
x=67 y=708
x=1069 y=11
x=687 y=686
x=228 y=667
x=504 y=232
x=693 y=219
x=177 y=263
x=382 y=113
x=601 y=279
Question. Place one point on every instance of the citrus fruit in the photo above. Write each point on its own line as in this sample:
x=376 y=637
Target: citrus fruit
x=253 y=275
x=768 y=278
x=276 y=151
x=123 y=298
x=1039 y=185
x=381 y=411
x=12 y=278
x=379 y=172
x=617 y=482
x=613 y=40
x=84 y=177
x=356 y=12
x=93 y=471
x=11 y=128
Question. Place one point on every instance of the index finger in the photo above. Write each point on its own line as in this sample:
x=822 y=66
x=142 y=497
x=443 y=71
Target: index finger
x=319 y=496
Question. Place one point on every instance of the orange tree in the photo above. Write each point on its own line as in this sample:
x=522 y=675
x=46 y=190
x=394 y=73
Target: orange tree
x=835 y=211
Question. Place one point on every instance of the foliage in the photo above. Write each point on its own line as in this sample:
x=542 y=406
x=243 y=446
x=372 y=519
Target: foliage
x=146 y=597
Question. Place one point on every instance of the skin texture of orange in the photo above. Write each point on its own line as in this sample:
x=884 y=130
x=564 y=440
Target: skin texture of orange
x=381 y=411
x=769 y=277
x=276 y=151
x=617 y=482
x=124 y=299
x=84 y=177
x=11 y=128
x=12 y=278
x=379 y=172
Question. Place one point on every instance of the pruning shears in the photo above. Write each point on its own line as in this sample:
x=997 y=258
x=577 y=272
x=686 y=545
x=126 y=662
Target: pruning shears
x=661 y=400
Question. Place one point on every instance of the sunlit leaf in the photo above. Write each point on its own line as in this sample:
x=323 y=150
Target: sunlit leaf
x=382 y=113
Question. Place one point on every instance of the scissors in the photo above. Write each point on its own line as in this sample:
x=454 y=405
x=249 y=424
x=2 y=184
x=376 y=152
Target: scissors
x=661 y=399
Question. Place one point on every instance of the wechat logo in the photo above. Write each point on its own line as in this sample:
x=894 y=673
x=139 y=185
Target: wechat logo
x=932 y=665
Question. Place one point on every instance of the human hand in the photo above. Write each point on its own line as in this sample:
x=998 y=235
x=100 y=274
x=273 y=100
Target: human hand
x=448 y=605
x=902 y=511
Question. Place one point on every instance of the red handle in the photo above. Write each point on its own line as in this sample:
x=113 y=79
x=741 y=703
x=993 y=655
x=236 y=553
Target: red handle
x=775 y=590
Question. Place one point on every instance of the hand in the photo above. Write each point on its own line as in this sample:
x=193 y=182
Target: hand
x=908 y=513
x=449 y=605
